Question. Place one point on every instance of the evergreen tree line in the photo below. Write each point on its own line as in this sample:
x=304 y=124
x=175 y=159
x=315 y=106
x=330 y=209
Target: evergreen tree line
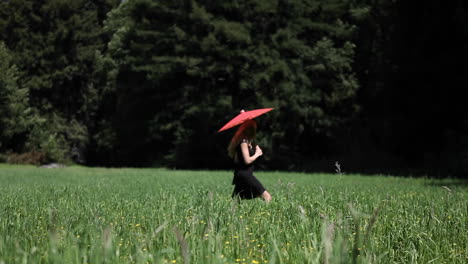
x=373 y=84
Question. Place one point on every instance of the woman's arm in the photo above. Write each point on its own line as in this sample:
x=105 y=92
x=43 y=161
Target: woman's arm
x=246 y=155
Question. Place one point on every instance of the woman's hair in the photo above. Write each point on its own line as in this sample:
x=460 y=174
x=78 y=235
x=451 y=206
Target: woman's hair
x=247 y=131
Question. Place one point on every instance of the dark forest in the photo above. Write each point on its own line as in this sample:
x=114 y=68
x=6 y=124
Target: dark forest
x=376 y=85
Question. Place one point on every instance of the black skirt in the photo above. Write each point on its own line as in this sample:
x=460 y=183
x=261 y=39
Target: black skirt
x=247 y=186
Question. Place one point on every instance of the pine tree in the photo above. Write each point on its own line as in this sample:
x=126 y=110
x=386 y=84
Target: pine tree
x=178 y=60
x=16 y=116
x=55 y=45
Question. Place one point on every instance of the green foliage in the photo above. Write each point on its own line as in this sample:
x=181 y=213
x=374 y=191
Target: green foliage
x=143 y=82
x=59 y=140
x=38 y=138
x=32 y=157
x=56 y=46
x=16 y=116
x=42 y=139
x=211 y=58
x=164 y=74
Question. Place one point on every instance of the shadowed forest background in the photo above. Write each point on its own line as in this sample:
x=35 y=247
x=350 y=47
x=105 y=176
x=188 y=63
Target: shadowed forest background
x=373 y=84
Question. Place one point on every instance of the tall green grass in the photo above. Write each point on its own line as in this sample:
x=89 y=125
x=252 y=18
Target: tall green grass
x=96 y=215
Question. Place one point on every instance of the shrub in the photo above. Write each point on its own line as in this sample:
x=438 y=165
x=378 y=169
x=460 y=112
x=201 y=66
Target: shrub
x=32 y=157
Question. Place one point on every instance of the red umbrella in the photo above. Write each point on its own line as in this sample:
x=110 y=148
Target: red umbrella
x=240 y=118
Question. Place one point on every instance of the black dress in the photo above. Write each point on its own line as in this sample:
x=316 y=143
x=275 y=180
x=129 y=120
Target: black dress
x=246 y=185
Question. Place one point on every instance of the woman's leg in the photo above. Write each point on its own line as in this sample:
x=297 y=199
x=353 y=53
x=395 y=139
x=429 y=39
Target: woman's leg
x=266 y=196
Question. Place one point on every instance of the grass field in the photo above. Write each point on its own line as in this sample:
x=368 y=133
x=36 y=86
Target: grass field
x=96 y=215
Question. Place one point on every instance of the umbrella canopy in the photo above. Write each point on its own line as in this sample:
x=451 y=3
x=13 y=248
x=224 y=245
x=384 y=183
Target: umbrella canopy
x=240 y=118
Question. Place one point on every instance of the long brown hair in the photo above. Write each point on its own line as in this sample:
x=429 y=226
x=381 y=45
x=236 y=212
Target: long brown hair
x=248 y=131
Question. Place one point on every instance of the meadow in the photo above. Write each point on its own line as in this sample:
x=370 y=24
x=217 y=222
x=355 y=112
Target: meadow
x=105 y=215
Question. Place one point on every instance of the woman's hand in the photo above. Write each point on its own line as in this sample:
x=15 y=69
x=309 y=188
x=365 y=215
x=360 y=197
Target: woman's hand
x=246 y=155
x=258 y=151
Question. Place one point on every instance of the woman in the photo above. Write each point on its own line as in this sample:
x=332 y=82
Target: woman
x=242 y=151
